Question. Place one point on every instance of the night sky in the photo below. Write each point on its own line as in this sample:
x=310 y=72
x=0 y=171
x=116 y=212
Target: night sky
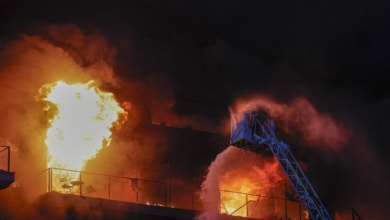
x=334 y=53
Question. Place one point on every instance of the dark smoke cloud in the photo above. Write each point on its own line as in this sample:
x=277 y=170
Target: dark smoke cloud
x=65 y=52
x=90 y=51
x=86 y=49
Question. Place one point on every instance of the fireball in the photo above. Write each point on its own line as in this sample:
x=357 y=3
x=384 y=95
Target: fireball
x=245 y=188
x=80 y=118
x=241 y=192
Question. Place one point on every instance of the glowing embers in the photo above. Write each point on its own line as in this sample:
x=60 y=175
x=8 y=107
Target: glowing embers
x=80 y=119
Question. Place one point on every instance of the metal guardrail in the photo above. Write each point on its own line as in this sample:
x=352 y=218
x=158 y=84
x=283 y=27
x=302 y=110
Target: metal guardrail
x=121 y=188
x=146 y=191
x=250 y=204
x=8 y=156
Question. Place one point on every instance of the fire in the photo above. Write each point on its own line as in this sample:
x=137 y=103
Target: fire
x=237 y=192
x=80 y=118
x=246 y=188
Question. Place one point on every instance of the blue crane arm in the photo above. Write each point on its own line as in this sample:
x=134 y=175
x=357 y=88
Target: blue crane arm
x=254 y=131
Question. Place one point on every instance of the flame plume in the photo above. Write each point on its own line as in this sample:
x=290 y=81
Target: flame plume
x=82 y=116
x=241 y=190
x=241 y=183
x=244 y=187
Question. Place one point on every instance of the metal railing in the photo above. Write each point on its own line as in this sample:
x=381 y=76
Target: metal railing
x=5 y=152
x=254 y=205
x=121 y=188
x=156 y=192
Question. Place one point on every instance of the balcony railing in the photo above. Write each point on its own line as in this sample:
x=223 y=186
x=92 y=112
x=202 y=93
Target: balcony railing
x=120 y=188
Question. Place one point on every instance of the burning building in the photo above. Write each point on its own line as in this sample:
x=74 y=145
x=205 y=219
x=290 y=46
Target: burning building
x=80 y=134
x=75 y=128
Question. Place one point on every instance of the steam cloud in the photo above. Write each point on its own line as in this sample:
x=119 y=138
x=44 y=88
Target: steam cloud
x=349 y=159
x=228 y=172
x=299 y=118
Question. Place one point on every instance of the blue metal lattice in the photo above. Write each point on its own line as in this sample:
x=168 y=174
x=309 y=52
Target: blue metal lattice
x=253 y=129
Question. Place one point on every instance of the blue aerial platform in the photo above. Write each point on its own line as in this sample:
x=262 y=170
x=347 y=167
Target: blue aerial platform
x=255 y=131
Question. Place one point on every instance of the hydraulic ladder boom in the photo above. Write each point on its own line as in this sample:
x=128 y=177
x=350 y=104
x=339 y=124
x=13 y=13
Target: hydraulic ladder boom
x=254 y=131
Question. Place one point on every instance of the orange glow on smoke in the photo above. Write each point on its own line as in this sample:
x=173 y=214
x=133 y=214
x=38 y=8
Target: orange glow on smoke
x=80 y=118
x=299 y=118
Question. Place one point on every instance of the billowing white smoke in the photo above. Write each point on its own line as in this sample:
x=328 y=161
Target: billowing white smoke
x=240 y=171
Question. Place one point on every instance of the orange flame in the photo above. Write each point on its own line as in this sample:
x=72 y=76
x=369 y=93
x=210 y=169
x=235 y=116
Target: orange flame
x=241 y=192
x=242 y=188
x=81 y=117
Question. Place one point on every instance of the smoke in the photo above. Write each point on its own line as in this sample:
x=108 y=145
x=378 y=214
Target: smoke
x=358 y=175
x=235 y=171
x=67 y=53
x=301 y=119
x=362 y=180
x=91 y=51
x=26 y=64
x=298 y=118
